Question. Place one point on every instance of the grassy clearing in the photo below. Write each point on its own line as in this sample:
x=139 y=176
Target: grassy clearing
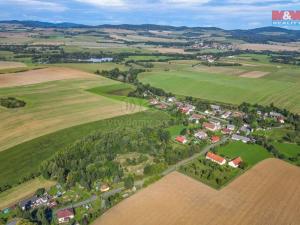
x=281 y=86
x=22 y=191
x=25 y=158
x=250 y=153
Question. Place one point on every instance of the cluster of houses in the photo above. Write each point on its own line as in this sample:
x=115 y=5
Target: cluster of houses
x=237 y=134
x=235 y=163
x=35 y=202
x=212 y=45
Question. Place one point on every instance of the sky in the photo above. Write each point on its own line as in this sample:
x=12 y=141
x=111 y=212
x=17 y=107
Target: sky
x=227 y=14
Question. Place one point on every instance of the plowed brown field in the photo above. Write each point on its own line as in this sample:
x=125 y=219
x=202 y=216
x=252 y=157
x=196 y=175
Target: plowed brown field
x=268 y=194
x=40 y=76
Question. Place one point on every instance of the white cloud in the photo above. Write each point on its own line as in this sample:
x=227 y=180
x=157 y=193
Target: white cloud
x=37 y=5
x=105 y=3
x=143 y=4
x=186 y=2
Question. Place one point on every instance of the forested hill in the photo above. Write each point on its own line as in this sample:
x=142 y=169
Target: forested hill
x=257 y=35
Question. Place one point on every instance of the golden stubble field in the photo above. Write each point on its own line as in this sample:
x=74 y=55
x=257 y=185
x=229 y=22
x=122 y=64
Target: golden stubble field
x=40 y=76
x=52 y=106
x=268 y=194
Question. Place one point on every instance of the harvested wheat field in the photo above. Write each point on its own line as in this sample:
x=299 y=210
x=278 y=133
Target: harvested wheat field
x=56 y=105
x=268 y=194
x=254 y=74
x=10 y=65
x=40 y=76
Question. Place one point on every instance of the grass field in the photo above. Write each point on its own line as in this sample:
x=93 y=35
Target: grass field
x=288 y=149
x=13 y=195
x=92 y=67
x=280 y=86
x=25 y=158
x=56 y=105
x=119 y=92
x=250 y=153
x=266 y=194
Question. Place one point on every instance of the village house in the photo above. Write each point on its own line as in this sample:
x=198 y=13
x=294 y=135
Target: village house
x=275 y=114
x=238 y=114
x=196 y=117
x=64 y=216
x=215 y=108
x=181 y=139
x=153 y=101
x=215 y=158
x=230 y=127
x=161 y=106
x=236 y=162
x=200 y=135
x=171 y=99
x=104 y=188
x=226 y=115
x=215 y=139
x=246 y=129
x=28 y=203
x=210 y=126
x=226 y=131
x=280 y=119
x=240 y=138
x=187 y=109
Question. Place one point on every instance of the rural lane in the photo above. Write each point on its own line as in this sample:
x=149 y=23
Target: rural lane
x=141 y=182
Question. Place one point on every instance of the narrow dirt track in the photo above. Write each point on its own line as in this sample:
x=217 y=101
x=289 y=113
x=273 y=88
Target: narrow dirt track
x=268 y=194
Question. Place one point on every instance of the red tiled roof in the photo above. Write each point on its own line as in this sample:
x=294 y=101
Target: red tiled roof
x=215 y=157
x=209 y=125
x=65 y=213
x=226 y=131
x=197 y=116
x=215 y=138
x=180 y=139
x=237 y=161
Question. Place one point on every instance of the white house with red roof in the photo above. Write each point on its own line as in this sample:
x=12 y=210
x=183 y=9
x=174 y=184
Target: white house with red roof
x=196 y=117
x=181 y=139
x=65 y=215
x=215 y=139
x=215 y=158
x=200 y=134
x=211 y=126
x=236 y=162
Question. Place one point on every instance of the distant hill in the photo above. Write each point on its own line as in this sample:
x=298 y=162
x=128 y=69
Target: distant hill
x=257 y=35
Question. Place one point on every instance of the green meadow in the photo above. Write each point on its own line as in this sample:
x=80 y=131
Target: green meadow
x=250 y=153
x=280 y=85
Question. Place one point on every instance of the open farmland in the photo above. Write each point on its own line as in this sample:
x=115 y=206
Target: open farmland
x=25 y=158
x=40 y=76
x=56 y=105
x=269 y=193
x=10 y=65
x=280 y=86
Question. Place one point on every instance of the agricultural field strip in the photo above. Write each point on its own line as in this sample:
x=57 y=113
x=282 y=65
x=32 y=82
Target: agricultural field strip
x=247 y=200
